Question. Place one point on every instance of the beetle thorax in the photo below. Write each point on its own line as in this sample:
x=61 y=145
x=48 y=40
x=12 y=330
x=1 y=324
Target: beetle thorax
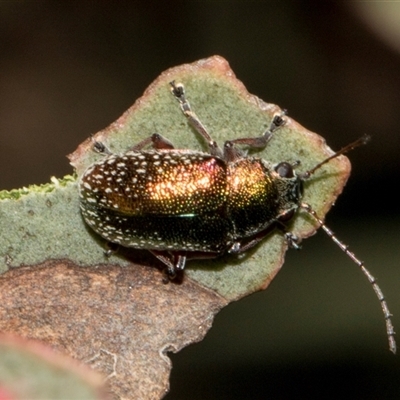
x=258 y=195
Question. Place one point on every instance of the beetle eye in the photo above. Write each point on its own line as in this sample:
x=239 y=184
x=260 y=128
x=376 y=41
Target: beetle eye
x=285 y=170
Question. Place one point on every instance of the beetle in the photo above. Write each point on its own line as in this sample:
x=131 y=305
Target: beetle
x=181 y=204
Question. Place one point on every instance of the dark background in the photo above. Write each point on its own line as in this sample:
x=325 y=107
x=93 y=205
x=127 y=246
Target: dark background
x=68 y=69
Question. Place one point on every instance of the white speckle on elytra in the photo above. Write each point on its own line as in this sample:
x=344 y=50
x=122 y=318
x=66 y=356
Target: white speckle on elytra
x=121 y=164
x=87 y=186
x=92 y=213
x=108 y=190
x=141 y=171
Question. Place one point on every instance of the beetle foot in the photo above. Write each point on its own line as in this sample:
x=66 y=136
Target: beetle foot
x=292 y=240
x=111 y=249
x=169 y=274
x=178 y=90
x=100 y=147
x=278 y=121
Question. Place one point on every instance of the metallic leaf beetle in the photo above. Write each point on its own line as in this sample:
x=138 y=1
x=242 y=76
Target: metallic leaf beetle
x=183 y=204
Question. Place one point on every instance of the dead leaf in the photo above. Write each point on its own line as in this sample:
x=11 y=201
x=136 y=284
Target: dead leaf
x=121 y=321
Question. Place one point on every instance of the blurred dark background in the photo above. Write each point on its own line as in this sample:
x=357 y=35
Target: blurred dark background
x=68 y=69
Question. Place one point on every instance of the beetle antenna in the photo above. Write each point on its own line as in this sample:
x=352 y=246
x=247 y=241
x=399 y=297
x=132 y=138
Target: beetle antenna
x=359 y=142
x=389 y=326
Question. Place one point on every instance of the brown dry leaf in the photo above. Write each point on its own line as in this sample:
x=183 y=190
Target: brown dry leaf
x=121 y=321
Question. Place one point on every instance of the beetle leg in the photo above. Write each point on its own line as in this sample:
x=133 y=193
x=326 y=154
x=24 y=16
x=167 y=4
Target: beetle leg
x=239 y=247
x=244 y=245
x=178 y=90
x=231 y=153
x=174 y=262
x=156 y=140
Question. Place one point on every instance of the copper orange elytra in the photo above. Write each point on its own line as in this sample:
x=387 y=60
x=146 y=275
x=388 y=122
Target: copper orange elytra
x=185 y=204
